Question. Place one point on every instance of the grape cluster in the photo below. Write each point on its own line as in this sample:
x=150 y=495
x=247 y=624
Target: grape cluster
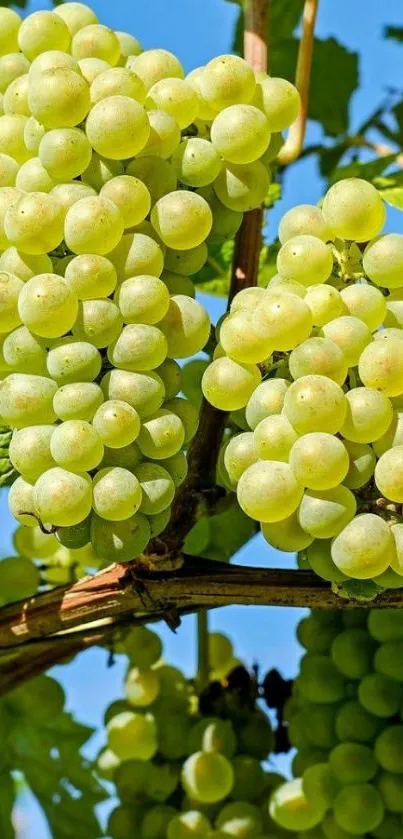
x=345 y=720
x=313 y=367
x=116 y=172
x=186 y=766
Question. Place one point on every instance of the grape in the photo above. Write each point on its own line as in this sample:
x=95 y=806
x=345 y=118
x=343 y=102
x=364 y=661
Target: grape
x=143 y=391
x=33 y=177
x=161 y=435
x=244 y=339
x=182 y=219
x=30 y=450
x=76 y=446
x=393 y=320
x=62 y=497
x=159 y=522
x=132 y=736
x=318 y=356
x=315 y=403
x=8 y=170
x=178 y=284
x=280 y=101
x=285 y=317
x=10 y=288
x=10 y=23
x=67 y=194
x=96 y=41
x=228 y=385
x=71 y=361
x=239 y=454
x=304 y=220
x=291 y=810
x=33 y=133
x=352 y=653
x=207 y=777
x=124 y=820
x=196 y=162
x=77 y=401
x=156 y=821
x=325 y=513
x=242 y=188
x=382 y=260
x=362 y=464
x=226 y=80
x=388 y=748
x=93 y=225
x=98 y=321
x=190 y=825
x=41 y=700
x=21 y=501
x=240 y=134
x=139 y=347
x=240 y=819
x=117 y=423
x=165 y=134
x=354 y=209
x=101 y=170
x=249 y=778
x=47 y=306
x=171 y=374
x=175 y=97
x=27 y=400
x=274 y=438
x=12 y=137
x=116 y=494
x=266 y=400
x=76 y=16
x=248 y=298
x=75 y=537
x=186 y=327
x=91 y=276
x=381 y=366
x=320 y=681
x=34 y=224
x=364 y=548
x=186 y=262
x=319 y=460
x=187 y=413
x=380 y=695
x=350 y=334
x=137 y=254
x=162 y=781
x=90 y=68
x=142 y=299
x=143 y=647
x=354 y=722
x=117 y=81
x=369 y=415
x=358 y=808
x=320 y=785
x=306 y=259
x=131 y=197
x=12 y=66
x=385 y=624
x=153 y=65
x=268 y=491
x=65 y=153
x=15 y=99
x=365 y=302
x=49 y=60
x=157 y=175
x=390 y=789
x=117 y=127
x=226 y=222
x=42 y=31
x=157 y=487
x=8 y=197
x=127 y=457
x=107 y=765
x=34 y=544
x=287 y=535
x=388 y=661
x=119 y=541
x=389 y=474
x=317 y=636
x=61 y=99
x=24 y=265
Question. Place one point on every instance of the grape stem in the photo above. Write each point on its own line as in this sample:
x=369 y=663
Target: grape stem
x=203 y=667
x=295 y=140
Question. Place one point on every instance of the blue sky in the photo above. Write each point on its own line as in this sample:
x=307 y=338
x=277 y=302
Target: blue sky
x=197 y=30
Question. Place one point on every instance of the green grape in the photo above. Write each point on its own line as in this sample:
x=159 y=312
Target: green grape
x=274 y=438
x=96 y=41
x=117 y=423
x=62 y=497
x=362 y=464
x=141 y=687
x=117 y=81
x=171 y=374
x=227 y=80
x=91 y=276
x=388 y=661
x=240 y=819
x=21 y=502
x=256 y=737
x=304 y=220
x=61 y=100
x=156 y=821
x=77 y=401
x=47 y=305
x=12 y=136
x=29 y=450
x=390 y=788
x=42 y=31
x=49 y=60
x=369 y=415
x=354 y=209
x=10 y=288
x=33 y=132
x=279 y=100
x=326 y=304
x=248 y=298
x=332 y=830
x=326 y=513
x=131 y=777
x=286 y=319
x=320 y=681
x=366 y=303
x=178 y=284
x=358 y=808
x=319 y=460
x=76 y=16
x=107 y=765
x=8 y=170
x=70 y=361
x=15 y=99
x=207 y=777
x=206 y=112
x=93 y=225
x=34 y=224
x=275 y=144
x=383 y=260
x=350 y=334
x=186 y=262
x=380 y=695
x=320 y=723
x=117 y=127
x=177 y=98
x=380 y=366
x=117 y=494
x=77 y=536
x=75 y=445
x=143 y=647
x=318 y=356
x=389 y=474
x=19 y=578
x=240 y=453
x=131 y=197
x=153 y=65
x=315 y=403
x=143 y=299
x=27 y=400
x=219 y=736
x=226 y=222
x=386 y=624
x=394 y=319
x=125 y=820
x=196 y=162
x=157 y=486
x=101 y=170
x=162 y=781
x=33 y=177
x=143 y=391
x=155 y=173
x=34 y=544
x=242 y=187
x=249 y=778
x=98 y=321
x=12 y=66
x=119 y=541
x=165 y=134
x=354 y=722
x=364 y=548
x=9 y=196
x=132 y=736
x=190 y=825
x=161 y=435
x=266 y=400
x=306 y=259
x=128 y=457
x=138 y=348
x=91 y=68
x=314 y=635
x=186 y=327
x=245 y=339
x=159 y=522
x=240 y=134
x=137 y=254
x=287 y=535
x=268 y=491
x=291 y=286
x=352 y=652
x=182 y=219
x=320 y=784
x=67 y=194
x=228 y=385
x=65 y=153
x=291 y=810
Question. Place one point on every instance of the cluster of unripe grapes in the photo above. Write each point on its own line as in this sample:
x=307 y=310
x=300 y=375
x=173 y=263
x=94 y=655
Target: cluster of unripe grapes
x=345 y=721
x=181 y=769
x=313 y=367
x=116 y=173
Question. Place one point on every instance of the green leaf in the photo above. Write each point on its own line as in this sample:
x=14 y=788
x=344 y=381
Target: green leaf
x=273 y=195
x=214 y=277
x=390 y=188
x=370 y=170
x=7 y=800
x=395 y=33
x=220 y=536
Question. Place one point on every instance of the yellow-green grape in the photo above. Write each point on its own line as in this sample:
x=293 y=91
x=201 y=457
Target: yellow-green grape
x=315 y=403
x=287 y=535
x=291 y=810
x=157 y=174
x=245 y=339
x=157 y=64
x=119 y=541
x=12 y=137
x=286 y=318
x=157 y=487
x=141 y=687
x=279 y=100
x=390 y=789
x=124 y=819
x=129 y=46
x=144 y=391
x=177 y=466
x=365 y=548
x=19 y=577
x=24 y=265
x=394 y=316
x=178 y=284
x=33 y=177
x=132 y=736
x=388 y=661
x=62 y=497
x=142 y=299
x=70 y=361
x=35 y=544
x=352 y=652
x=268 y=491
x=278 y=283
x=320 y=681
x=21 y=502
x=65 y=153
x=319 y=460
x=226 y=222
x=176 y=97
x=132 y=777
x=98 y=321
x=318 y=356
x=304 y=220
x=161 y=435
x=354 y=209
x=96 y=41
x=275 y=144
x=267 y=399
x=351 y=334
x=358 y=808
x=42 y=31
x=397 y=560
x=93 y=225
x=207 y=777
x=196 y=162
x=220 y=649
x=239 y=454
x=139 y=347
x=76 y=16
x=30 y=451
x=324 y=513
x=24 y=352
x=61 y=98
x=10 y=23
x=90 y=276
x=227 y=80
x=189 y=825
x=389 y=474
x=362 y=464
x=248 y=298
x=143 y=647
x=12 y=66
x=185 y=262
x=187 y=413
x=27 y=400
x=117 y=493
x=128 y=457
x=10 y=288
x=165 y=134
x=75 y=445
x=49 y=60
x=9 y=196
x=206 y=112
x=366 y=303
x=47 y=306
x=186 y=327
x=182 y=219
x=352 y=763
x=383 y=260
x=90 y=68
x=353 y=722
x=34 y=131
x=171 y=374
x=15 y=99
x=228 y=385
x=101 y=170
x=117 y=127
x=242 y=187
x=67 y=194
x=306 y=259
x=274 y=437
x=380 y=695
x=8 y=170
x=131 y=197
x=117 y=423
x=118 y=81
x=240 y=134
x=381 y=366
x=240 y=818
x=137 y=254
x=368 y=416
x=34 y=224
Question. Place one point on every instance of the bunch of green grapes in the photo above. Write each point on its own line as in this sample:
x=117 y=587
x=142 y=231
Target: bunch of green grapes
x=116 y=173
x=345 y=722
x=186 y=766
x=311 y=368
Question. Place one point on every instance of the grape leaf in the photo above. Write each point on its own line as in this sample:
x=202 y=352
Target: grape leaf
x=394 y=32
x=220 y=536
x=391 y=189
x=7 y=799
x=370 y=170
